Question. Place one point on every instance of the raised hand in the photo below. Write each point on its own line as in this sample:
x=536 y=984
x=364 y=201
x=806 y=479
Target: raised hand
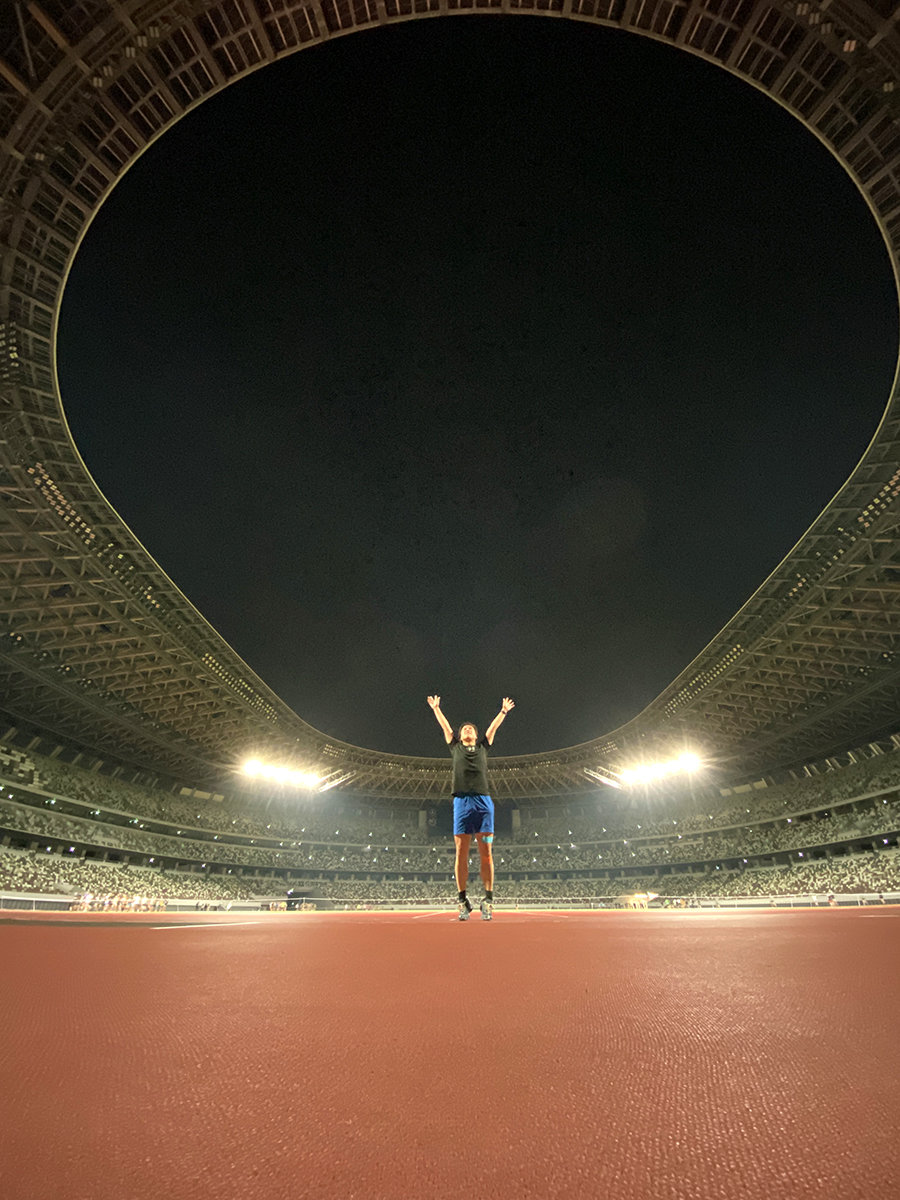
x=507 y=705
x=434 y=701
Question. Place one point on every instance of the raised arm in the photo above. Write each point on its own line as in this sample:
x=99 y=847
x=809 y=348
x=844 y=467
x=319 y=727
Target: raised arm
x=499 y=719
x=435 y=702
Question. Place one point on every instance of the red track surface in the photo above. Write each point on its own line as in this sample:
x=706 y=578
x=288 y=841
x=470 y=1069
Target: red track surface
x=697 y=1056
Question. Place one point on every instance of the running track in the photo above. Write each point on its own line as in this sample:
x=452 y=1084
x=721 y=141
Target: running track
x=619 y=1056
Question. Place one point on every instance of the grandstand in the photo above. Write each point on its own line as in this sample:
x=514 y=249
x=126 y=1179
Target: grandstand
x=834 y=832
x=122 y=708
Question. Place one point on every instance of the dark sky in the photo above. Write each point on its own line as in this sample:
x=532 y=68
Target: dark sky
x=479 y=356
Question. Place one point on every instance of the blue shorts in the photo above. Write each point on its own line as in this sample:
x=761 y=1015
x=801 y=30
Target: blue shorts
x=473 y=814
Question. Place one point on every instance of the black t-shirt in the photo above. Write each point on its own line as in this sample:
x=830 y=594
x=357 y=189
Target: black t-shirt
x=469 y=768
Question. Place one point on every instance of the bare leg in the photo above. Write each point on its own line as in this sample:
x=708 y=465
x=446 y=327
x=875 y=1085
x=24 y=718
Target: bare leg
x=461 y=867
x=487 y=859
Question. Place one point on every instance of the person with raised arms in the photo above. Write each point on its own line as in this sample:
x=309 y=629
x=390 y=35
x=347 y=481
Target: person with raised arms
x=473 y=808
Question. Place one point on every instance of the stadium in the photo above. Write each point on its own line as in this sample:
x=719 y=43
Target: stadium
x=690 y=984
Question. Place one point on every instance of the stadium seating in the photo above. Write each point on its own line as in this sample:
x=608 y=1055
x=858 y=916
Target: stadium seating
x=53 y=874
x=345 y=849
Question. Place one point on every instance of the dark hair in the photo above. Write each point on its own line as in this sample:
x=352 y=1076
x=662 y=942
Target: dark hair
x=462 y=727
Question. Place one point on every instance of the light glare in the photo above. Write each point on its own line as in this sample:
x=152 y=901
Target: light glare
x=649 y=772
x=280 y=774
x=689 y=762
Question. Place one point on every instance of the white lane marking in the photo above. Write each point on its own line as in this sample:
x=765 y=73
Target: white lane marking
x=506 y=917
x=508 y=914
x=548 y=915
x=209 y=925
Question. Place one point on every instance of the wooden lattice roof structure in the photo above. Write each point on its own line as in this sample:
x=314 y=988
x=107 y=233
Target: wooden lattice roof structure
x=98 y=646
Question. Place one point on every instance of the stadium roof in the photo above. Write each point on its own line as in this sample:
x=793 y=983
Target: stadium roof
x=97 y=645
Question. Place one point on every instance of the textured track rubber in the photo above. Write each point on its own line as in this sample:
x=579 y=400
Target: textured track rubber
x=672 y=1056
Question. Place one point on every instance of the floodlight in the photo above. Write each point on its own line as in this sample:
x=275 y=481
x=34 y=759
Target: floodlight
x=689 y=761
x=281 y=774
x=648 y=772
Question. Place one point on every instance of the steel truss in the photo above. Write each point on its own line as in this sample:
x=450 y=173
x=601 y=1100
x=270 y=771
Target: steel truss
x=98 y=646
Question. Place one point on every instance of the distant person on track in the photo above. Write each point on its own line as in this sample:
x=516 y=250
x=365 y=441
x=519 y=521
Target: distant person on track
x=473 y=808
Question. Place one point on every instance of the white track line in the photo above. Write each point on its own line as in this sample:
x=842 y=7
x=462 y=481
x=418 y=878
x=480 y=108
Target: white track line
x=209 y=925
x=504 y=916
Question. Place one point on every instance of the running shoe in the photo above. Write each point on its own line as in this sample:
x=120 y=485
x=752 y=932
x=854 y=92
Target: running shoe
x=464 y=909
x=487 y=910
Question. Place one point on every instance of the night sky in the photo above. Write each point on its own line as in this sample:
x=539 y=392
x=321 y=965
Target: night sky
x=480 y=356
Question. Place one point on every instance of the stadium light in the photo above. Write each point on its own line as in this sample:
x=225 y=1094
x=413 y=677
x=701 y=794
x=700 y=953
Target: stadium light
x=276 y=773
x=689 y=761
x=686 y=763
